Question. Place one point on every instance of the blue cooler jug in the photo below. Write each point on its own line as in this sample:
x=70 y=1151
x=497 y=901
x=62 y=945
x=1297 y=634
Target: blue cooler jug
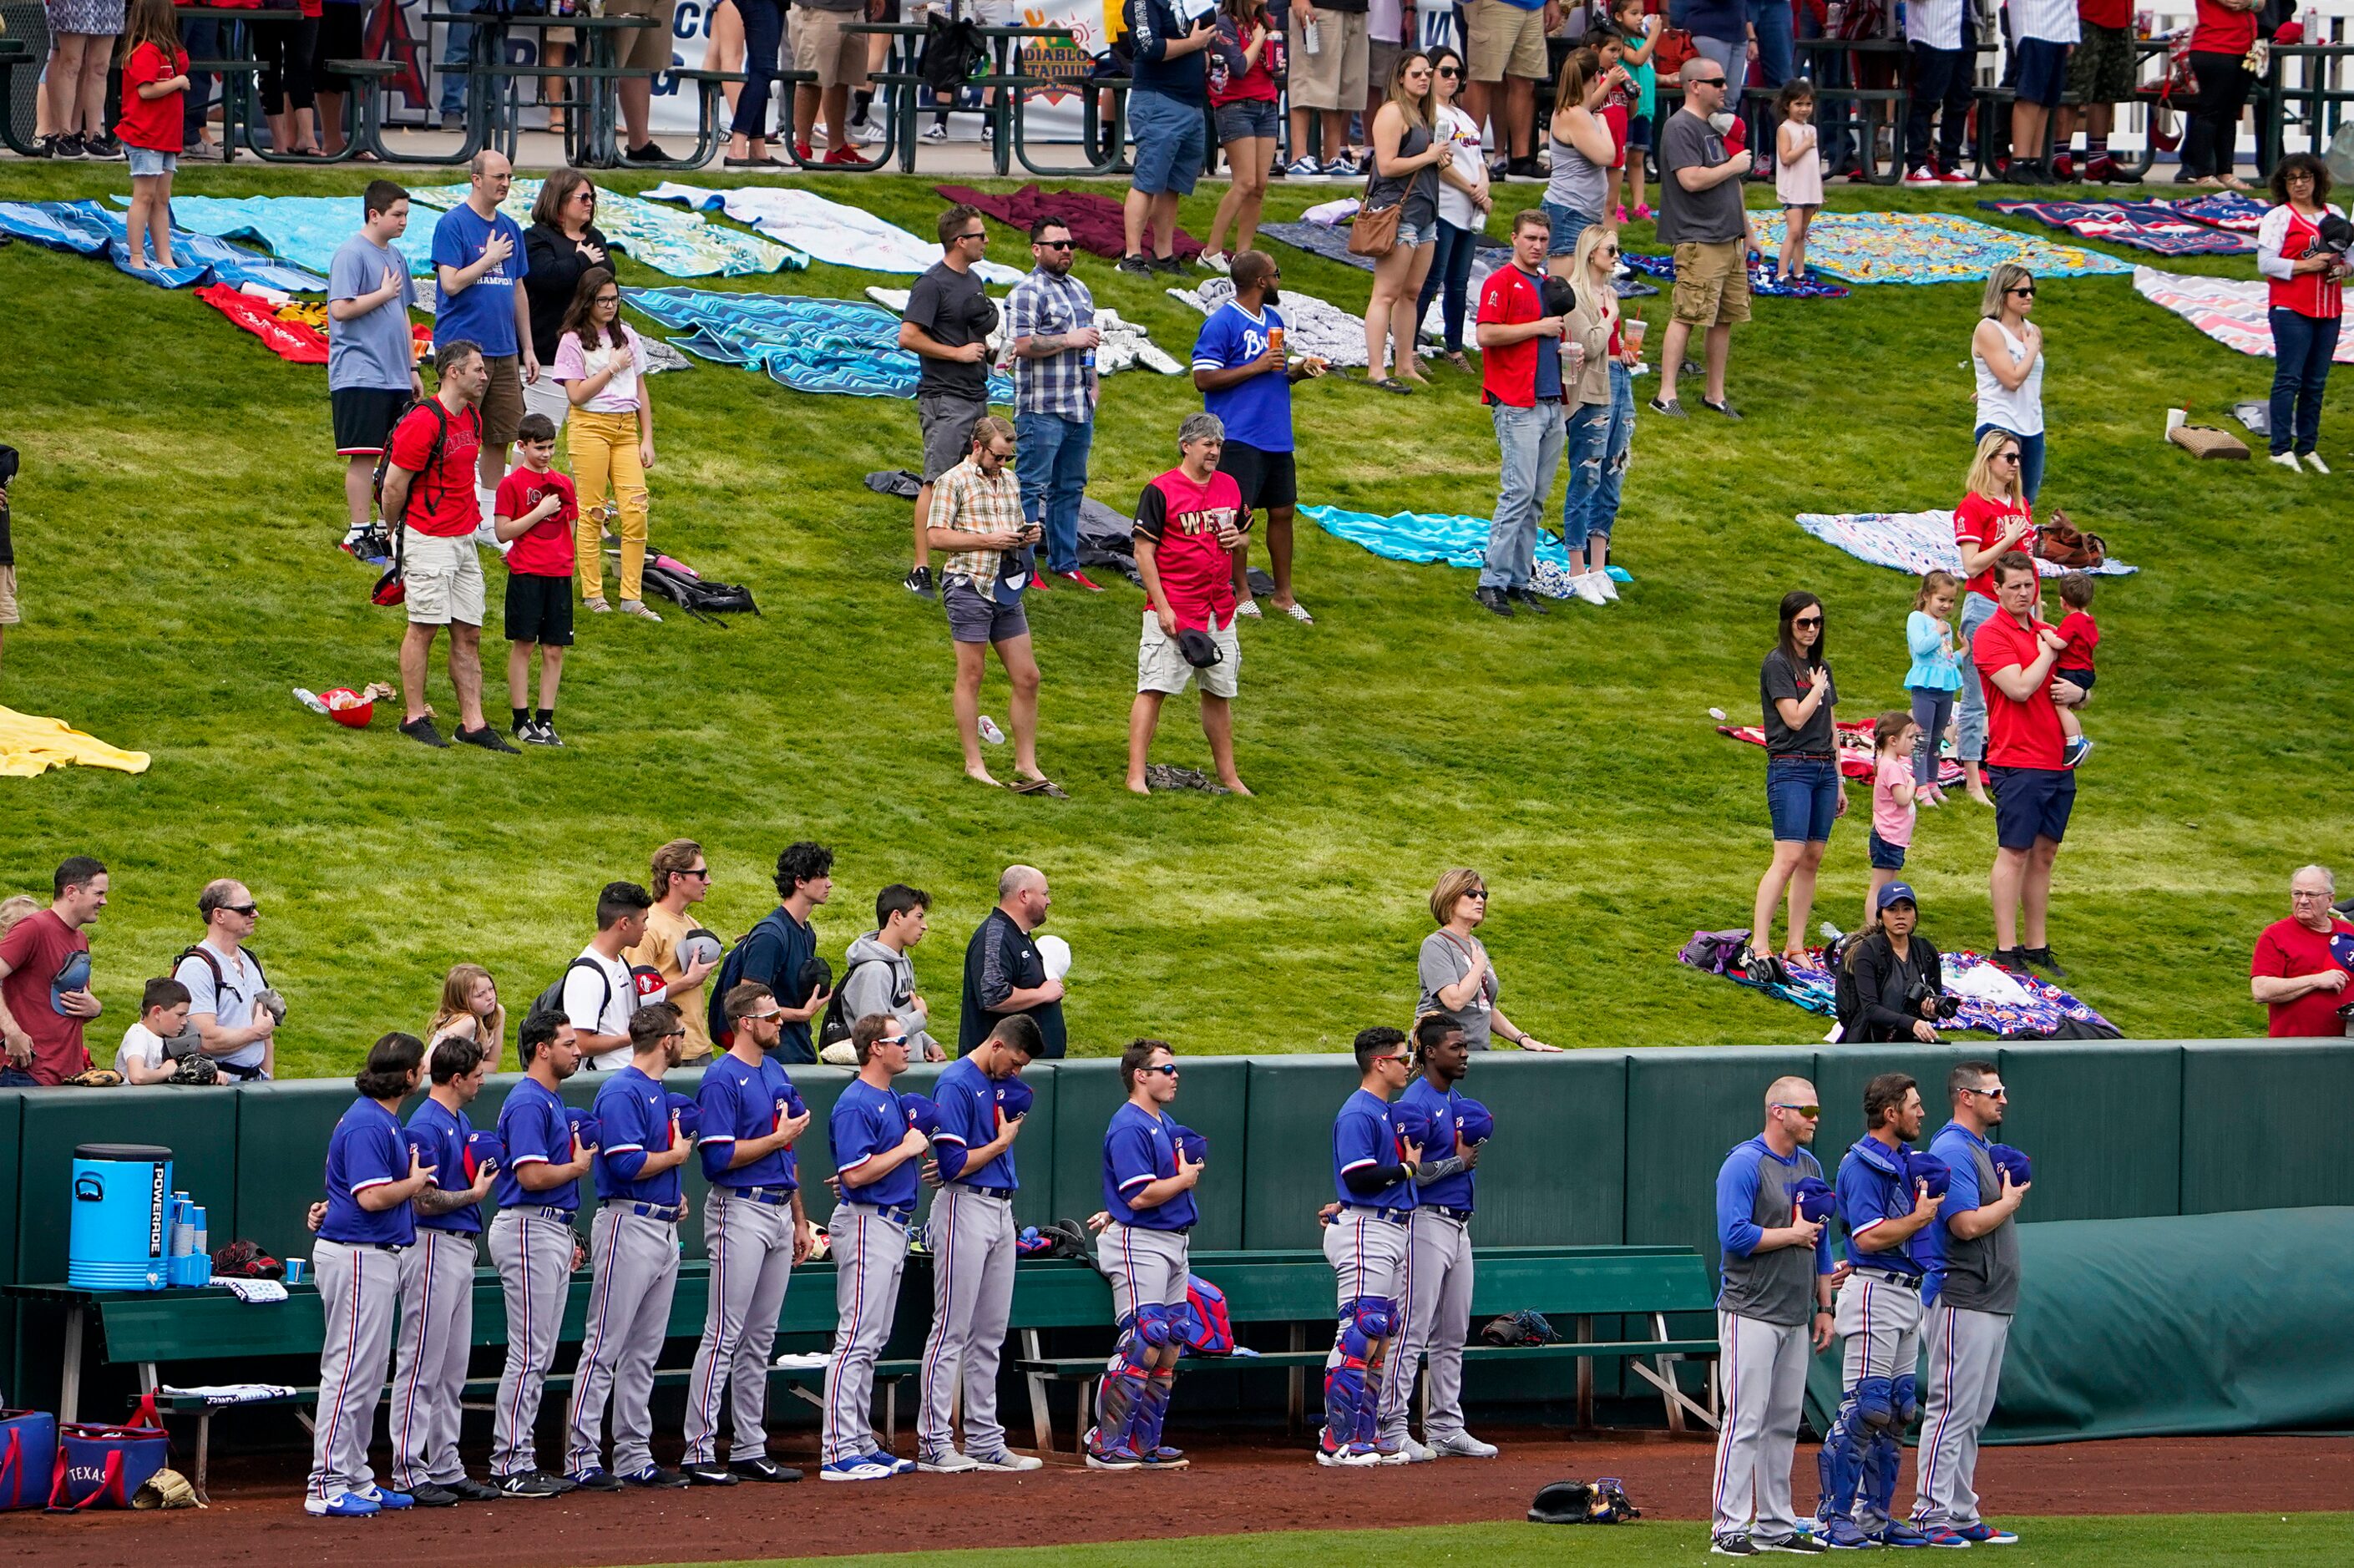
x=121 y=1233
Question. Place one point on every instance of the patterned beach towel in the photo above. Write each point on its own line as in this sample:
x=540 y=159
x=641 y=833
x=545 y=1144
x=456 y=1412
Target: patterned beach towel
x=810 y=345
x=1761 y=280
x=306 y=231
x=1459 y=541
x=91 y=228
x=1929 y=247
x=2234 y=211
x=2008 y=1006
x=824 y=230
x=2143 y=224
x=2234 y=312
x=1913 y=542
x=289 y=331
x=675 y=244
x=1855 y=750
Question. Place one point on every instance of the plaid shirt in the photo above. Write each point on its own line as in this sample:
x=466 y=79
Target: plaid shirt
x=1043 y=306
x=970 y=502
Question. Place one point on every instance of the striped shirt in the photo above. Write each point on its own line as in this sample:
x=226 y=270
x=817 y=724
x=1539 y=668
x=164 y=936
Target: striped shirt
x=1044 y=305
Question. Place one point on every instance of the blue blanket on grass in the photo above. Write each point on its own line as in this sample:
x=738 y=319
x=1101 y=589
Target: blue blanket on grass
x=91 y=228
x=808 y=344
x=1459 y=541
x=305 y=232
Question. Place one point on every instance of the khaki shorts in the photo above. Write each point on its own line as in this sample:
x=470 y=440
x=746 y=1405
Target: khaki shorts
x=1504 y=40
x=9 y=614
x=1162 y=667
x=1713 y=284
x=501 y=404
x=821 y=44
x=649 y=48
x=1333 y=77
x=444 y=578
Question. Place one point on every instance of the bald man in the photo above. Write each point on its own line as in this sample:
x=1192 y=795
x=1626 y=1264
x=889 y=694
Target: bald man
x=1003 y=974
x=1777 y=1280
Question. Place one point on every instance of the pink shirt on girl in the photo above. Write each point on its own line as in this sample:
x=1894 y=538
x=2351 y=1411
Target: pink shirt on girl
x=1891 y=799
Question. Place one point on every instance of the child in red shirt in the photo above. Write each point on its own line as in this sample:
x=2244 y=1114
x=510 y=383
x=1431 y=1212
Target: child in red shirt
x=154 y=79
x=2076 y=662
x=534 y=513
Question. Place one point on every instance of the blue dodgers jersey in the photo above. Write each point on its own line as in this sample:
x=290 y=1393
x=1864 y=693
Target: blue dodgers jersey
x=736 y=1102
x=1362 y=1135
x=1139 y=1149
x=366 y=1149
x=968 y=1100
x=534 y=1129
x=1258 y=412
x=441 y=1133
x=868 y=1121
x=1872 y=1190
x=633 y=1110
x=1438 y=1106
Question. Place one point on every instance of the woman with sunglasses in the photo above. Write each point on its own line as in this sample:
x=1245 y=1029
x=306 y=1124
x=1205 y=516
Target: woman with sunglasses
x=1601 y=417
x=1243 y=86
x=1407 y=153
x=562 y=243
x=2007 y=351
x=1994 y=517
x=1457 y=980
x=1805 y=792
x=1464 y=204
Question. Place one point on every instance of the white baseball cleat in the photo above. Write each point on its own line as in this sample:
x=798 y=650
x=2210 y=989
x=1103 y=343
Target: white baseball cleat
x=1005 y=1459
x=948 y=1463
x=1461 y=1446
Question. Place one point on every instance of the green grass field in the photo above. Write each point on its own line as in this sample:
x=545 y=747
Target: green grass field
x=2095 y=1543
x=180 y=502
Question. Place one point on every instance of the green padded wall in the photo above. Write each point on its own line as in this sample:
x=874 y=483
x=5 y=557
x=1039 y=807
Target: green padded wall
x=1556 y=1170
x=12 y=1126
x=2264 y=1123
x=200 y=1127
x=1214 y=1097
x=1684 y=1110
x=1292 y=1102
x=1841 y=1073
x=2103 y=1121
x=281 y=1156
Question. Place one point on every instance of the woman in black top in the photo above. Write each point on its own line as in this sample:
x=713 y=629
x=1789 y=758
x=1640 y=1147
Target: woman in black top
x=1894 y=976
x=1804 y=790
x=561 y=244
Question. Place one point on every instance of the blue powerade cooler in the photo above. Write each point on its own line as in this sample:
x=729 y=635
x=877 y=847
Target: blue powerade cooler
x=121 y=1235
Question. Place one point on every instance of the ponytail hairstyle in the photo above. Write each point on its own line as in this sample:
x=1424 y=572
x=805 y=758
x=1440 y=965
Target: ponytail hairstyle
x=1934 y=583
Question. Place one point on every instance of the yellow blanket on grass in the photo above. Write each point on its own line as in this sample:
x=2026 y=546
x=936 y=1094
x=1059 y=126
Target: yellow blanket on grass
x=31 y=746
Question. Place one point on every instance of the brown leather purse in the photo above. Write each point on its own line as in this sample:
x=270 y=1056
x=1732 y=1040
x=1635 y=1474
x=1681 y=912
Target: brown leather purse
x=1375 y=233
x=2060 y=543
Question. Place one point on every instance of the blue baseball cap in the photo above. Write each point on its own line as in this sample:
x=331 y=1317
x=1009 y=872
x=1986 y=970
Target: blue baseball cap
x=1898 y=892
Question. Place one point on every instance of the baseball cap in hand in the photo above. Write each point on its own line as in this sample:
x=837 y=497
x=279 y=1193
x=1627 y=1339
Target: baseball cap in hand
x=1813 y=1199
x=2006 y=1157
x=1200 y=649
x=1920 y=1168
x=815 y=975
x=584 y=1125
x=1413 y=1127
x=922 y=1114
x=648 y=980
x=482 y=1148
x=1192 y=1145
x=700 y=947
x=689 y=1114
x=1015 y=1097
x=1475 y=1121
x=1055 y=954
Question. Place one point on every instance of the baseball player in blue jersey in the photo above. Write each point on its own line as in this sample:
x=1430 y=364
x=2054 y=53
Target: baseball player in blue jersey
x=1365 y=1239
x=373 y=1175
x=1435 y=1293
x=877 y=1156
x=634 y=1248
x=972 y=1249
x=754 y=1230
x=1977 y=1293
x=437 y=1286
x=1884 y=1206
x=1778 y=1274
x=532 y=1246
x=1148 y=1191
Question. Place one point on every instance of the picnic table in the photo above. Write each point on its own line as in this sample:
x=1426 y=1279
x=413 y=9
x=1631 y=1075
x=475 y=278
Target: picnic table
x=592 y=131
x=14 y=52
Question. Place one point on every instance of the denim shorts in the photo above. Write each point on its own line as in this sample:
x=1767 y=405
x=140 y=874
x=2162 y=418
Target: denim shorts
x=1171 y=140
x=1802 y=794
x=1886 y=856
x=1638 y=131
x=1567 y=225
x=1409 y=236
x=1248 y=117
x=146 y=162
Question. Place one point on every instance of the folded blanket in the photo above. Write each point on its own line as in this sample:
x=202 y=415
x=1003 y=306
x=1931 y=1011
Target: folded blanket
x=2234 y=312
x=90 y=228
x=305 y=231
x=810 y=345
x=2143 y=224
x=31 y=746
x=1096 y=222
x=1913 y=542
x=1929 y=247
x=824 y=230
x=1310 y=326
x=2234 y=211
x=1124 y=346
x=1856 y=754
x=286 y=329
x=1761 y=278
x=2042 y=1011
x=1458 y=540
x=677 y=244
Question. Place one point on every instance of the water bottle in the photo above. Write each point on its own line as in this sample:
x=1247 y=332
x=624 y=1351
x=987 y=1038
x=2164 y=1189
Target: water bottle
x=310 y=700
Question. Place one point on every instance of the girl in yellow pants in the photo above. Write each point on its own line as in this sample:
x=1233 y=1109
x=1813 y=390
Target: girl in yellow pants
x=599 y=361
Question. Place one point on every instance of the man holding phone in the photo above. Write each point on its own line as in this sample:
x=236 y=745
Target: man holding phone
x=977 y=514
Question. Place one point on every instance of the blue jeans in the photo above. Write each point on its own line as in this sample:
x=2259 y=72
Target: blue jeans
x=1776 y=60
x=1588 y=433
x=1617 y=445
x=1051 y=464
x=1530 y=440
x=2302 y=345
x=1969 y=739
x=456 y=48
x=1450 y=268
x=2030 y=459
x=1931 y=710
x=763 y=35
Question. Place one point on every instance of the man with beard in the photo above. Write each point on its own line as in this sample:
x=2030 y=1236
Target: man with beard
x=1244 y=377
x=1051 y=316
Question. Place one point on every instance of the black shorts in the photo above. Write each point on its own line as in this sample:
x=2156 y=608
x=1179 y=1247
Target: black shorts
x=2076 y=677
x=365 y=416
x=1266 y=479
x=539 y=610
x=2031 y=803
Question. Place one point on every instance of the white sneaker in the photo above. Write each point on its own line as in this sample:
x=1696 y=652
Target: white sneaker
x=1461 y=1446
x=1416 y=1454
x=1608 y=585
x=1351 y=1459
x=1005 y=1459
x=948 y=1463
x=2312 y=461
x=1583 y=587
x=1922 y=177
x=2286 y=461
x=1217 y=261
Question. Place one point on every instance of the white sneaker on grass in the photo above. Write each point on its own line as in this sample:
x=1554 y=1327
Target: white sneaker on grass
x=1584 y=587
x=1608 y=585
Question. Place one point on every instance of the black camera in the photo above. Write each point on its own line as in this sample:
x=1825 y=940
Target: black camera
x=1940 y=1006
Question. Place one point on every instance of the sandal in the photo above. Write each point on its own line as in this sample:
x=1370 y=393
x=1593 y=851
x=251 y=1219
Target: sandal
x=1390 y=384
x=1299 y=613
x=1248 y=606
x=1039 y=787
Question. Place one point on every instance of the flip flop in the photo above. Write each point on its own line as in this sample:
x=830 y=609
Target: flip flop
x=1248 y=606
x=1039 y=787
x=1299 y=613
x=1390 y=384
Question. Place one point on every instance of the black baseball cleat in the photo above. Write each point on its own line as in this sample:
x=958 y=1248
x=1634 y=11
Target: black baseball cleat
x=430 y=1494
x=597 y=1481
x=531 y=1483
x=712 y=1474
x=653 y=1478
x=471 y=1490
x=763 y=1469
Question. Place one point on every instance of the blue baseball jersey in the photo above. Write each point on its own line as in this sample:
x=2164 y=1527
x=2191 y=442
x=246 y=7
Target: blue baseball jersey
x=738 y=1102
x=868 y=1121
x=1754 y=1190
x=1439 y=1106
x=633 y=1110
x=1363 y=1134
x=968 y=1100
x=366 y=1149
x=534 y=1129
x=1256 y=411
x=441 y=1132
x=1872 y=1192
x=1139 y=1149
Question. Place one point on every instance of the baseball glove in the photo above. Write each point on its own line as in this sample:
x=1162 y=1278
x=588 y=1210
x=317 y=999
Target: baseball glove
x=165 y=1488
x=1518 y=1328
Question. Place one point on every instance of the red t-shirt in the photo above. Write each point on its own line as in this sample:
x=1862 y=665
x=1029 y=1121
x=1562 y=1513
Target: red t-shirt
x=2289 y=948
x=1979 y=522
x=1182 y=519
x=1508 y=373
x=2221 y=32
x=36 y=949
x=2082 y=636
x=546 y=550
x=2106 y=12
x=2018 y=735
x=441 y=501
x=152 y=124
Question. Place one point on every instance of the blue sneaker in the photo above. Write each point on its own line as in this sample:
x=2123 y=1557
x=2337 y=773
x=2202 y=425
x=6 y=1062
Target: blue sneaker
x=1985 y=1534
x=394 y=1501
x=857 y=1469
x=350 y=1505
x=1900 y=1534
x=1843 y=1534
x=1939 y=1535
x=897 y=1466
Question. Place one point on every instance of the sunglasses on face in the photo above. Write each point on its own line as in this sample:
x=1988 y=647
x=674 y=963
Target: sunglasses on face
x=701 y=872
x=2004 y=457
x=1710 y=81
x=891 y=1039
x=2029 y=292
x=1450 y=70
x=976 y=234
x=1054 y=244
x=1808 y=621
x=768 y=1017
x=1809 y=1112
x=1996 y=1093
x=1394 y=1061
x=1166 y=1069
x=248 y=910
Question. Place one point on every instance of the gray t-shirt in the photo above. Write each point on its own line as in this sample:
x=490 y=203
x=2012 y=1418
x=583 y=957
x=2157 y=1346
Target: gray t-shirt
x=1707 y=217
x=226 y=988
x=951 y=307
x=1444 y=961
x=1981 y=1276
x=372 y=349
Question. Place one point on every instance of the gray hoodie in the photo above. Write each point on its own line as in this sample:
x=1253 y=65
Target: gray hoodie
x=880 y=980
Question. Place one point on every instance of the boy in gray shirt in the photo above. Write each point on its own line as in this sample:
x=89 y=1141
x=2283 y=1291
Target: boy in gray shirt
x=371 y=357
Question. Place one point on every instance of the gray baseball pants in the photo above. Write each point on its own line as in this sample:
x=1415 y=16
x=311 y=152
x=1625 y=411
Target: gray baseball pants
x=1879 y=1332
x=531 y=1247
x=1765 y=1381
x=635 y=1257
x=751 y=1249
x=972 y=1301
x=1965 y=1366
x=870 y=1250
x=359 y=1286
x=1437 y=1293
x=437 y=1334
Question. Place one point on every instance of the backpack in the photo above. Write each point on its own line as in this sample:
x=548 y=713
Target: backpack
x=695 y=594
x=2058 y=542
x=952 y=46
x=549 y=1003
x=390 y=590
x=192 y=1066
x=835 y=1027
